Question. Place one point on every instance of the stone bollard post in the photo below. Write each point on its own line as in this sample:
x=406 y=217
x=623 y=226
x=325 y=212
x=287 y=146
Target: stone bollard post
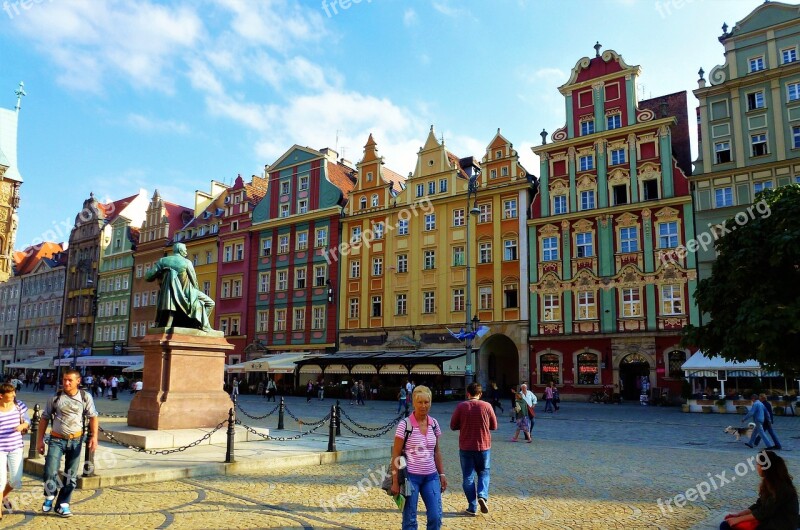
x=280 y=414
x=338 y=419
x=332 y=431
x=229 y=456
x=88 y=455
x=37 y=415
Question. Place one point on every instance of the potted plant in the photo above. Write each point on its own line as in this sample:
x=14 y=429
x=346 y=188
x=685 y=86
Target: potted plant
x=722 y=406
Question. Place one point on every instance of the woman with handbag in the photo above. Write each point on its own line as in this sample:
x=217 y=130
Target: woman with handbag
x=424 y=470
x=14 y=422
x=776 y=507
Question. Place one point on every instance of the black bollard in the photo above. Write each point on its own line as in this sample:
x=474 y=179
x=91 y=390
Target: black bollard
x=229 y=457
x=280 y=415
x=88 y=455
x=37 y=413
x=332 y=431
x=338 y=419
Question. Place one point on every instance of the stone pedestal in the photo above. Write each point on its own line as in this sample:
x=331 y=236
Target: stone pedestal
x=184 y=371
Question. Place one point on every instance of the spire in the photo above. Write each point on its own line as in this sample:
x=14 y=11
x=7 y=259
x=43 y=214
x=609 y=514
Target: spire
x=20 y=92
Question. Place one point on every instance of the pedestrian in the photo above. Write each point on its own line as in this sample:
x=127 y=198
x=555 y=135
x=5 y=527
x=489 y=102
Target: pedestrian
x=271 y=390
x=67 y=410
x=758 y=414
x=496 y=398
x=474 y=419
x=114 y=387
x=521 y=418
x=235 y=388
x=362 y=393
x=354 y=392
x=36 y=380
x=260 y=389
x=309 y=391
x=769 y=420
x=321 y=390
x=137 y=386
x=777 y=504
x=514 y=393
x=556 y=397
x=529 y=400
x=14 y=422
x=424 y=466
x=548 y=398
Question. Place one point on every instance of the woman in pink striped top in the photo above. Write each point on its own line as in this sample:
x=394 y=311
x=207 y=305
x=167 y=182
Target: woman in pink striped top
x=14 y=422
x=425 y=469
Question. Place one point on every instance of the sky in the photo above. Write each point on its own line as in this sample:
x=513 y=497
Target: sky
x=125 y=95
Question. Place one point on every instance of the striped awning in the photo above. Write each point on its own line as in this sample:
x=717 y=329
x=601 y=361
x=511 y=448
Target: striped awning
x=335 y=369
x=364 y=369
x=427 y=369
x=393 y=369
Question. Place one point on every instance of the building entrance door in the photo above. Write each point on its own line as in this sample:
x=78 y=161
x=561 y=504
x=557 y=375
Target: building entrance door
x=632 y=369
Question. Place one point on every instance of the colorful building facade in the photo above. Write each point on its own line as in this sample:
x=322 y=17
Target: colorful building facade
x=610 y=289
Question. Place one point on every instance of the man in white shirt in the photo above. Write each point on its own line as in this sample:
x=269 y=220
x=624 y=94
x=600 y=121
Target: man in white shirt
x=530 y=400
x=114 y=387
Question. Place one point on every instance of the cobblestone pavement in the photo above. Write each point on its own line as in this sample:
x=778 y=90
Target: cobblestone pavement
x=590 y=466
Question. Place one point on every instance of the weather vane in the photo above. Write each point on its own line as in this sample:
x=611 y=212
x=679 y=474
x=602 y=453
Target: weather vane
x=20 y=92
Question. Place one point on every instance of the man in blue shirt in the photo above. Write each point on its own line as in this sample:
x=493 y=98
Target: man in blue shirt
x=757 y=414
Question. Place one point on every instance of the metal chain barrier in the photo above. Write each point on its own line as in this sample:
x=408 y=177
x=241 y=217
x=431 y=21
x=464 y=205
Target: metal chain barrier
x=354 y=422
x=384 y=429
x=301 y=422
x=268 y=414
x=282 y=438
x=208 y=435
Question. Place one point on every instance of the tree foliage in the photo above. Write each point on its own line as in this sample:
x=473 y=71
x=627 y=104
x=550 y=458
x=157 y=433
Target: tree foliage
x=753 y=294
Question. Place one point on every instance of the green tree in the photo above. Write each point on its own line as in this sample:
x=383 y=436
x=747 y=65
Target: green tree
x=753 y=294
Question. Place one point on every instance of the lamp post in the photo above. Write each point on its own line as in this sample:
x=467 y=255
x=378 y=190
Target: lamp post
x=472 y=194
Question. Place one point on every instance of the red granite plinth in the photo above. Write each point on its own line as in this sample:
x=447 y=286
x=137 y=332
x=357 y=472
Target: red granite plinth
x=182 y=385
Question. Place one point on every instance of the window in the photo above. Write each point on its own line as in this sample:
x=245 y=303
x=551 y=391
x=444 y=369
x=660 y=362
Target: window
x=430 y=221
x=262 y=321
x=428 y=302
x=284 y=210
x=630 y=303
x=228 y=256
x=723 y=197
x=793 y=91
x=676 y=360
x=138 y=271
x=263 y=282
x=650 y=189
x=485 y=212
x=226 y=289
x=420 y=190
x=208 y=253
x=617 y=156
x=378 y=230
x=628 y=239
x=587 y=369
x=722 y=152
x=796 y=137
x=756 y=64
x=587 y=162
x=285 y=187
x=431 y=187
x=401 y=304
x=587 y=200
x=671 y=300
x=302 y=206
x=458 y=300
x=587 y=127
x=402 y=263
x=239 y=251
x=207 y=288
x=458 y=217
x=136 y=299
x=362 y=203
x=318 y=321
x=719 y=109
x=510 y=250
x=758 y=144
x=300 y=278
x=280 y=320
x=429 y=259
x=283 y=244
x=549 y=369
x=237 y=288
x=355 y=235
x=377 y=266
x=458 y=256
x=355 y=269
x=550 y=249
x=302 y=241
x=668 y=235
x=369 y=176
x=402 y=227
x=789 y=55
x=583 y=242
x=353 y=311
x=374 y=200
x=511 y=294
x=283 y=281
x=303 y=184
x=320 y=275
x=442 y=185
x=485 y=252
x=321 y=237
x=614 y=121
x=299 y=318
x=377 y=306
x=761 y=186
x=551 y=307
x=493 y=174
x=559 y=204
x=586 y=307
x=755 y=100
x=234 y=326
x=504 y=171
x=485 y=298
x=510 y=209
x=620 y=193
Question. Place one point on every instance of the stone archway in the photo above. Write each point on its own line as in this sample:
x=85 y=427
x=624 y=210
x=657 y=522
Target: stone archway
x=499 y=361
x=632 y=368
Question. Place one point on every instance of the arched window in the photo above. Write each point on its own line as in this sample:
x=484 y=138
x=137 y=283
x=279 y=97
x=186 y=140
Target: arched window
x=676 y=358
x=362 y=203
x=549 y=369
x=588 y=369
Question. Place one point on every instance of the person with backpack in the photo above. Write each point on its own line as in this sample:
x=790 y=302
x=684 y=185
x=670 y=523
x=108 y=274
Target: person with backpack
x=65 y=413
x=14 y=422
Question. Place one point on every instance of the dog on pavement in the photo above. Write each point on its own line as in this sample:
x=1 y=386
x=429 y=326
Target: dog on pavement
x=738 y=432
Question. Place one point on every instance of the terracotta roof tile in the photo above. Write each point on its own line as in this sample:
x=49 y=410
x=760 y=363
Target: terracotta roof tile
x=116 y=207
x=342 y=177
x=25 y=261
x=178 y=217
x=395 y=179
x=256 y=189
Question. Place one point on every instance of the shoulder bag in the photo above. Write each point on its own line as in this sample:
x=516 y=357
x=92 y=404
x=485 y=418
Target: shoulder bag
x=402 y=477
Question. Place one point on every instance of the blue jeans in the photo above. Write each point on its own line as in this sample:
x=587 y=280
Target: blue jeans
x=473 y=462
x=548 y=405
x=431 y=490
x=758 y=433
x=71 y=451
x=768 y=429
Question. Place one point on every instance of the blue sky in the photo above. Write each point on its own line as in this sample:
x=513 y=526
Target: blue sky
x=125 y=94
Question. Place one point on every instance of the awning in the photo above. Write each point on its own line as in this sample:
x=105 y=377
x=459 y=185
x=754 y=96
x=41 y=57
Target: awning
x=131 y=369
x=425 y=369
x=38 y=363
x=336 y=369
x=311 y=369
x=364 y=369
x=455 y=366
x=394 y=369
x=234 y=368
x=282 y=363
x=702 y=365
x=101 y=360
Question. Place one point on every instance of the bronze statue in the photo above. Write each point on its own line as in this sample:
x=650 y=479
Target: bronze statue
x=180 y=302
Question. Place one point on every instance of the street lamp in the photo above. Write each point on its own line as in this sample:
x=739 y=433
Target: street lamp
x=472 y=194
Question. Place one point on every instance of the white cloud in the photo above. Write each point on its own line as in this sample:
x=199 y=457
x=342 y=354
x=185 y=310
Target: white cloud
x=409 y=17
x=147 y=124
x=277 y=24
x=445 y=8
